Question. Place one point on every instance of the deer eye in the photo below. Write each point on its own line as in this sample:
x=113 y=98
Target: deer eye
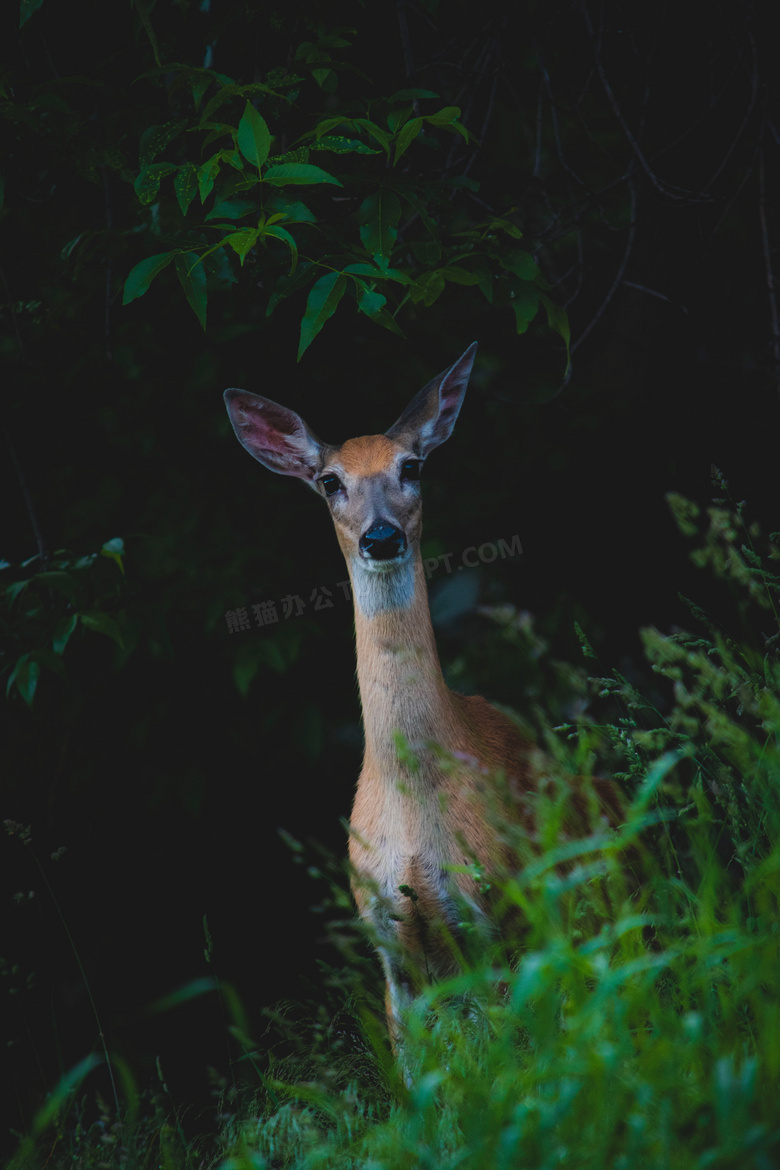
x=331 y=484
x=410 y=469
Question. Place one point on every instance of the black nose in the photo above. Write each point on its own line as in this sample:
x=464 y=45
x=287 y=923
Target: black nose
x=382 y=542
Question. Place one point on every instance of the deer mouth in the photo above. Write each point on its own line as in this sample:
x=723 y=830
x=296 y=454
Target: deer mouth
x=385 y=564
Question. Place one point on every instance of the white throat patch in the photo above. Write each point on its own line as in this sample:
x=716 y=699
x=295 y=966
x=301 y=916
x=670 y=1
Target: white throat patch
x=384 y=588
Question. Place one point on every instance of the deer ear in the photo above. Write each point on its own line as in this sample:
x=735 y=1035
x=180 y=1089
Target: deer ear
x=277 y=437
x=430 y=416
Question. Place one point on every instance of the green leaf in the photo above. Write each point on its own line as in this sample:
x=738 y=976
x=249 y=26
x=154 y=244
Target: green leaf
x=147 y=184
x=185 y=185
x=192 y=276
x=298 y=173
x=485 y=281
x=299 y=155
x=381 y=136
x=292 y=210
x=155 y=139
x=406 y=136
x=62 y=1095
x=232 y=208
x=328 y=124
x=410 y=95
x=339 y=145
x=418 y=204
x=427 y=288
x=507 y=226
x=244 y=673
x=280 y=233
x=229 y=90
x=62 y=632
x=58 y=579
x=525 y=303
x=207 y=174
x=444 y=116
x=242 y=242
x=269 y=652
x=521 y=263
x=388 y=321
x=458 y=275
x=378 y=216
x=114 y=549
x=364 y=270
x=369 y=301
x=388 y=273
x=378 y=272
x=192 y=990
x=372 y=304
x=26 y=9
x=142 y=275
x=217 y=264
x=458 y=128
x=200 y=81
x=254 y=137
x=559 y=321
x=202 y=985
x=143 y=16
x=397 y=117
x=216 y=100
x=15 y=588
x=288 y=284
x=102 y=623
x=219 y=130
x=25 y=675
x=233 y=159
x=656 y=773
x=321 y=304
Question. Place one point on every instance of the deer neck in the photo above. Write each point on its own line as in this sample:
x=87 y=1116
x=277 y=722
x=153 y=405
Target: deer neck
x=402 y=688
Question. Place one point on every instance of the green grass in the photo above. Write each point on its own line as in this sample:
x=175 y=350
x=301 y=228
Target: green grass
x=630 y=1022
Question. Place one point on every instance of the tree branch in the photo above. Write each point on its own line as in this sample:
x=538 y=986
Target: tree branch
x=671 y=192
x=618 y=278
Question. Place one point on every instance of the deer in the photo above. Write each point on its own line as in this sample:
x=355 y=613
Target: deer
x=435 y=761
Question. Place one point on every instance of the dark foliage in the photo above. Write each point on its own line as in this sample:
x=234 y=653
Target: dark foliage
x=637 y=155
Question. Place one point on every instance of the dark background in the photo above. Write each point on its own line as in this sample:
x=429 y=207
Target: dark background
x=639 y=147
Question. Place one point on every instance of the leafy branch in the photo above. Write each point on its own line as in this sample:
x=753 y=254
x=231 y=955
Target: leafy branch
x=47 y=602
x=389 y=236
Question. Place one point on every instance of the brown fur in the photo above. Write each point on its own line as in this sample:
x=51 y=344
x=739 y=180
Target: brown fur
x=368 y=455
